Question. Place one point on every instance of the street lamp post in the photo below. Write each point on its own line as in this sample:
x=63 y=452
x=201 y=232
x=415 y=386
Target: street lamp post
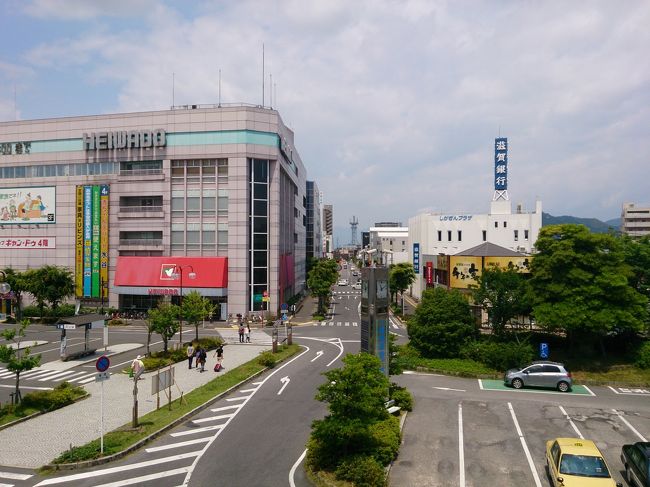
x=178 y=273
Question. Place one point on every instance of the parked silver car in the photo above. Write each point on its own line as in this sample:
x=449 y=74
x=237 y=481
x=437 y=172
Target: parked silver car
x=540 y=374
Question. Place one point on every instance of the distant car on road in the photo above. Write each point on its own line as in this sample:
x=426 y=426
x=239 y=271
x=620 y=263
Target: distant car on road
x=540 y=374
x=342 y=282
x=636 y=459
x=577 y=462
x=357 y=285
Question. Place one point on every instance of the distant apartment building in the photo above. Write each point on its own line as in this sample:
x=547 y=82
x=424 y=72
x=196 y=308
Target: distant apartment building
x=328 y=229
x=635 y=220
x=390 y=239
x=314 y=247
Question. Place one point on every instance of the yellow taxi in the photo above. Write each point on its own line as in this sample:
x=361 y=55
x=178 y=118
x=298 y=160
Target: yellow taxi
x=574 y=462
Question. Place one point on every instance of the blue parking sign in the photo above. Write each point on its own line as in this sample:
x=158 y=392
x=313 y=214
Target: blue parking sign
x=543 y=350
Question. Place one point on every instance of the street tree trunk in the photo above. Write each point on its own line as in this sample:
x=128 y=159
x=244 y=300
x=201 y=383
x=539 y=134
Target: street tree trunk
x=17 y=397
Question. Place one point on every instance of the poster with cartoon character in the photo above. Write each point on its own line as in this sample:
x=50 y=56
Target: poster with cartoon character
x=28 y=205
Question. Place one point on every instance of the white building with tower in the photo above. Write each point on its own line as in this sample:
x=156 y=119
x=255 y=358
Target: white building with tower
x=431 y=235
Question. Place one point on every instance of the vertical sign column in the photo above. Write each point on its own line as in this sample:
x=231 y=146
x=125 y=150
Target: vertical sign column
x=79 y=242
x=416 y=258
x=95 y=242
x=87 y=241
x=501 y=164
x=103 y=241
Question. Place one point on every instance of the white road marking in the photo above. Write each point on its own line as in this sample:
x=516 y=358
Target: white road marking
x=59 y=375
x=292 y=472
x=121 y=468
x=83 y=377
x=347 y=323
x=146 y=478
x=531 y=464
x=212 y=418
x=257 y=383
x=285 y=382
x=247 y=390
x=589 y=390
x=480 y=384
x=461 y=451
x=318 y=354
x=26 y=387
x=627 y=423
x=180 y=444
x=575 y=428
x=6 y=485
x=15 y=476
x=450 y=389
x=230 y=399
x=338 y=323
x=630 y=392
x=198 y=430
x=354 y=323
x=85 y=381
x=225 y=408
x=613 y=390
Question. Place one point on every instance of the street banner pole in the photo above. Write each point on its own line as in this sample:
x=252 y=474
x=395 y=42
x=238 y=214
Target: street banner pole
x=101 y=421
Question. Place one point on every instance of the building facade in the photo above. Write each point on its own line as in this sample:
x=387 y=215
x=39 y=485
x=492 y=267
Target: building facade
x=390 y=239
x=328 y=230
x=314 y=247
x=635 y=220
x=140 y=206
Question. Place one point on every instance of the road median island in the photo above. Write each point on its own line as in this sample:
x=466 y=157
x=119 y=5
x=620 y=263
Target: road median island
x=126 y=439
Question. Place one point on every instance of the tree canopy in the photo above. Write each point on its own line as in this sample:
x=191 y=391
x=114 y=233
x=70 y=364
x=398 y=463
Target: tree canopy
x=580 y=283
x=18 y=359
x=49 y=284
x=194 y=310
x=400 y=277
x=164 y=321
x=321 y=278
x=442 y=323
x=502 y=295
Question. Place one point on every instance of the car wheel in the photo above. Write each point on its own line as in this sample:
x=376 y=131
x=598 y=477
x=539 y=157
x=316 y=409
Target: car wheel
x=517 y=383
x=563 y=387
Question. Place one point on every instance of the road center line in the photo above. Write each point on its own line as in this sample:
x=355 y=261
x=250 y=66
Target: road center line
x=461 y=450
x=573 y=425
x=531 y=464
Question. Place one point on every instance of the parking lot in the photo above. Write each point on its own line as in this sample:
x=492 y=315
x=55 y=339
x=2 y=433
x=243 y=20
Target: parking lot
x=462 y=435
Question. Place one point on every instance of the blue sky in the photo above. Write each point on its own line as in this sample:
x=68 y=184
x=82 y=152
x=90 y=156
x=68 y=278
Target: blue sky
x=395 y=104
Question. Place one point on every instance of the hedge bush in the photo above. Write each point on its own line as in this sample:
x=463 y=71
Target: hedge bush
x=62 y=395
x=498 y=355
x=362 y=470
x=643 y=356
x=386 y=437
x=401 y=396
x=267 y=359
x=31 y=311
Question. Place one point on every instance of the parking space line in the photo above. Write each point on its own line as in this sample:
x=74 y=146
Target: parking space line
x=480 y=384
x=575 y=428
x=589 y=390
x=531 y=464
x=461 y=451
x=627 y=423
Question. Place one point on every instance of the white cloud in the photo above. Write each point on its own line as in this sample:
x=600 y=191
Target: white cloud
x=395 y=105
x=87 y=9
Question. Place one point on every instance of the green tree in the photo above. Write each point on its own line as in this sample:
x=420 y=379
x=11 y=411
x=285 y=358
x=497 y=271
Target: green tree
x=580 y=285
x=637 y=256
x=400 y=277
x=321 y=278
x=18 y=359
x=164 y=321
x=442 y=323
x=195 y=309
x=49 y=284
x=19 y=286
x=355 y=395
x=502 y=295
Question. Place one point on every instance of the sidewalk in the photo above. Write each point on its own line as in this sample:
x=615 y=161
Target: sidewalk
x=40 y=440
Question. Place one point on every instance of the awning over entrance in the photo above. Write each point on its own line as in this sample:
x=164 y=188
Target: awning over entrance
x=162 y=275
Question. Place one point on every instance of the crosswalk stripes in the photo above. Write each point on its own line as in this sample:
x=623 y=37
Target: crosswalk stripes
x=13 y=476
x=44 y=375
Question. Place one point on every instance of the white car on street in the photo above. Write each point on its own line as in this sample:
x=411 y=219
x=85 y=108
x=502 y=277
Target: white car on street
x=342 y=282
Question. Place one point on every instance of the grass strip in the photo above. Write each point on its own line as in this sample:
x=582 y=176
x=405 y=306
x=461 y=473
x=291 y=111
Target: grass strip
x=126 y=436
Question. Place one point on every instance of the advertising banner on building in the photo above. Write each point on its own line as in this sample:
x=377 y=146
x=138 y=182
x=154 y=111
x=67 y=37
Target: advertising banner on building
x=91 y=252
x=79 y=242
x=428 y=272
x=103 y=241
x=521 y=264
x=28 y=205
x=28 y=243
x=464 y=270
x=88 y=240
x=416 y=258
x=501 y=164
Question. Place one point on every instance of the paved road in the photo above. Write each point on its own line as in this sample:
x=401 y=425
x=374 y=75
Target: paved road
x=462 y=435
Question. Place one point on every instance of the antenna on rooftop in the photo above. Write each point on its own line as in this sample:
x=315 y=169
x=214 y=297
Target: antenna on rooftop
x=354 y=223
x=219 y=87
x=262 y=74
x=173 y=83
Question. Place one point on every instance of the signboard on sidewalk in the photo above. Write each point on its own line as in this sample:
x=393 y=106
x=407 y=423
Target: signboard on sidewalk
x=164 y=379
x=102 y=376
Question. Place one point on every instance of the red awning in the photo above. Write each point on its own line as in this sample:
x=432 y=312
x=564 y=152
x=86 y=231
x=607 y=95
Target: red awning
x=211 y=272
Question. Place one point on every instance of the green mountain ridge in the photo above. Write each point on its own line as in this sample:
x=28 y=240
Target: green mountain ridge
x=594 y=224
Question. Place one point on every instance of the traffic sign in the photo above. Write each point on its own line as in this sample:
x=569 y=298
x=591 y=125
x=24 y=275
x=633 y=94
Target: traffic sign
x=66 y=327
x=284 y=307
x=543 y=350
x=103 y=363
x=284 y=317
x=102 y=376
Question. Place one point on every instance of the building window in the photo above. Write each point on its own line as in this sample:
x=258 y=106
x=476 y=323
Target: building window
x=505 y=224
x=496 y=224
x=449 y=235
x=258 y=228
x=484 y=235
x=460 y=236
x=439 y=235
x=525 y=234
x=516 y=235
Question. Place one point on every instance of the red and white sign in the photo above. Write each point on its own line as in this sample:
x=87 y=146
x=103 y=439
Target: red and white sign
x=163 y=292
x=159 y=272
x=27 y=243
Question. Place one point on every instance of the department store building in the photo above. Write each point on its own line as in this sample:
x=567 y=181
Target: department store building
x=142 y=206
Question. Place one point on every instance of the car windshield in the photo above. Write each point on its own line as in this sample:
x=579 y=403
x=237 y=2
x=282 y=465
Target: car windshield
x=583 y=466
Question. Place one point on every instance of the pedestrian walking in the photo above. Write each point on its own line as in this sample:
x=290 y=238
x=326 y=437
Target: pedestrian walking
x=248 y=333
x=241 y=333
x=204 y=355
x=137 y=366
x=190 y=355
x=197 y=355
x=219 y=353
